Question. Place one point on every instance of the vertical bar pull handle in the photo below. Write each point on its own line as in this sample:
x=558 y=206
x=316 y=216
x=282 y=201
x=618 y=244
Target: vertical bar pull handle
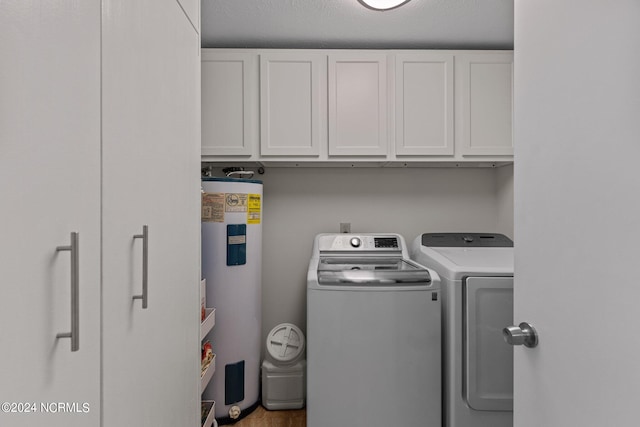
x=145 y=265
x=75 y=291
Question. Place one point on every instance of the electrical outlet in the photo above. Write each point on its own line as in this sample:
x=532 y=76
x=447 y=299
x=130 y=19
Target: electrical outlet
x=345 y=227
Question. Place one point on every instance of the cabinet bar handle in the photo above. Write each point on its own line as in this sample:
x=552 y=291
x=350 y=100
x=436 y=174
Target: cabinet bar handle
x=145 y=264
x=75 y=292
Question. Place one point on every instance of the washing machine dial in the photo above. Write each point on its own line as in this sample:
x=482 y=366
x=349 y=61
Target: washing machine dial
x=355 y=242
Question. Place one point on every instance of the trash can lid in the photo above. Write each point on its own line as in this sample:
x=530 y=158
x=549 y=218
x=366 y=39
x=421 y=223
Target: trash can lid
x=285 y=344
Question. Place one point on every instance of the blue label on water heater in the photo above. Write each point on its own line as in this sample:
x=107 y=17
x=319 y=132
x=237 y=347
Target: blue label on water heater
x=236 y=244
x=234 y=383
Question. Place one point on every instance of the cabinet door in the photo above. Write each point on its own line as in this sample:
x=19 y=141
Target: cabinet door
x=424 y=104
x=485 y=103
x=292 y=100
x=50 y=186
x=151 y=177
x=228 y=103
x=358 y=104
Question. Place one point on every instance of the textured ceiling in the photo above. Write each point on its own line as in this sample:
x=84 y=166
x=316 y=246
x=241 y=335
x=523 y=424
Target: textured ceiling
x=419 y=24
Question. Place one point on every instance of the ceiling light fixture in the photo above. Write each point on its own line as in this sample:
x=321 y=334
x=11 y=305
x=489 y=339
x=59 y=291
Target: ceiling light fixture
x=383 y=4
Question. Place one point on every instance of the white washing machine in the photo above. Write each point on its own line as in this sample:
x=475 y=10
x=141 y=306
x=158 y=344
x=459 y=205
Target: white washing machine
x=373 y=334
x=476 y=272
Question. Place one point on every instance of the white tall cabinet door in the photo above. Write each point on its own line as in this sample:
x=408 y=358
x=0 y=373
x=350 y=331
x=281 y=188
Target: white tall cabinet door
x=150 y=178
x=50 y=187
x=192 y=10
x=358 y=104
x=577 y=212
x=424 y=104
x=292 y=103
x=484 y=103
x=229 y=104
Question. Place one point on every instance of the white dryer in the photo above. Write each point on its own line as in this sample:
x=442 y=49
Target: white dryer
x=373 y=335
x=476 y=272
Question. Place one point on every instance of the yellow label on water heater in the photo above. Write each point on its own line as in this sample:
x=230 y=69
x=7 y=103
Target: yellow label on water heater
x=254 y=209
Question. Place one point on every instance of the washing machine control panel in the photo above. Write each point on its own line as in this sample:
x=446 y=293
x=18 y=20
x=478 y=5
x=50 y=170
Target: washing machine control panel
x=386 y=242
x=350 y=242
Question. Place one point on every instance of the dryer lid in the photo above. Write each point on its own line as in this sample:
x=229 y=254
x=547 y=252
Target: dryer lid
x=466 y=240
x=458 y=263
x=472 y=259
x=454 y=258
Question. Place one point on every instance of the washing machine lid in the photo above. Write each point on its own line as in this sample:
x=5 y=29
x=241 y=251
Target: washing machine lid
x=370 y=271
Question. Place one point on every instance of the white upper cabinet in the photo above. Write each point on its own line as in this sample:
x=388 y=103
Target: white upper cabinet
x=229 y=103
x=379 y=107
x=424 y=104
x=293 y=103
x=484 y=103
x=358 y=104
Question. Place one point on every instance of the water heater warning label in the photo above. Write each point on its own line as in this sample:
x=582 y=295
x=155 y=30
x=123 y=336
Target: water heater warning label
x=254 y=209
x=237 y=240
x=236 y=202
x=213 y=207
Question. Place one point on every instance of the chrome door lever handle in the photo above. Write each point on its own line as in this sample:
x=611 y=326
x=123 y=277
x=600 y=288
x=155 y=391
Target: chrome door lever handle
x=523 y=334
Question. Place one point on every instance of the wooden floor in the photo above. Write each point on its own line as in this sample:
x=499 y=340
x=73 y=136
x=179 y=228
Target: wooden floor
x=264 y=418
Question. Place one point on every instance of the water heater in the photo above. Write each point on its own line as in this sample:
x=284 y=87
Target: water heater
x=232 y=267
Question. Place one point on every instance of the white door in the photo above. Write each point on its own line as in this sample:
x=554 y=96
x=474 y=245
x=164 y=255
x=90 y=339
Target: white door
x=50 y=187
x=151 y=144
x=577 y=212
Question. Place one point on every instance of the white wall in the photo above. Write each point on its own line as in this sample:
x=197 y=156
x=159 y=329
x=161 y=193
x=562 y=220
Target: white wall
x=302 y=202
x=450 y=24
